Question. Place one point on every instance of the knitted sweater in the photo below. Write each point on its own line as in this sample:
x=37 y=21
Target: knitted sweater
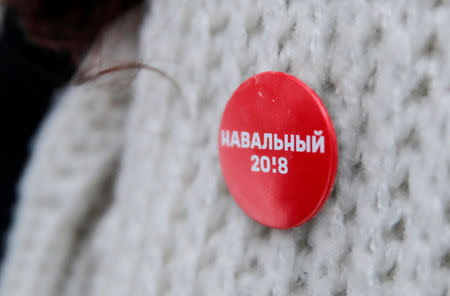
x=124 y=194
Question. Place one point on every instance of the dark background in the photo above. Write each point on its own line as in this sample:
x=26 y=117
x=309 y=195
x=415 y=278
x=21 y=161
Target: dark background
x=29 y=75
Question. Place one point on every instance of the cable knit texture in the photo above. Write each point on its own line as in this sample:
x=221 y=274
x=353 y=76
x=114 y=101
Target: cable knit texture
x=124 y=194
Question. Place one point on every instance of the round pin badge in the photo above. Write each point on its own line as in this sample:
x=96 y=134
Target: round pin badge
x=278 y=150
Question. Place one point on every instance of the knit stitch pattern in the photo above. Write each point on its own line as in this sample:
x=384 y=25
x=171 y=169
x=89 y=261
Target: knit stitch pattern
x=126 y=197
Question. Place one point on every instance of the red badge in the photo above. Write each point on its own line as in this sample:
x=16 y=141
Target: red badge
x=278 y=150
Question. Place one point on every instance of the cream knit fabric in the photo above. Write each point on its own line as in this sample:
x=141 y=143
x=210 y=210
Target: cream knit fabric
x=124 y=195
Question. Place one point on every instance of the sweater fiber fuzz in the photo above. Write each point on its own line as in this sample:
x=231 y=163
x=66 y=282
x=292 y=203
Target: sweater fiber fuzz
x=124 y=194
